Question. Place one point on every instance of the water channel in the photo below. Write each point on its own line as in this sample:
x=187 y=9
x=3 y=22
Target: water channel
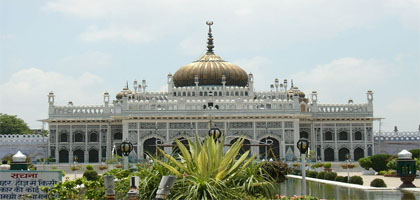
x=292 y=187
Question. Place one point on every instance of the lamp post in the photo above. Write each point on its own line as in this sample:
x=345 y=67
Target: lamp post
x=303 y=145
x=126 y=147
x=348 y=163
x=166 y=183
x=406 y=168
x=215 y=133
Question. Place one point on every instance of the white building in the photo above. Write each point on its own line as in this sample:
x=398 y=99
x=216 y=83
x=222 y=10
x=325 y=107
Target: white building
x=211 y=92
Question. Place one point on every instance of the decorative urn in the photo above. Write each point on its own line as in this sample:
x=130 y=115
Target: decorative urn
x=406 y=169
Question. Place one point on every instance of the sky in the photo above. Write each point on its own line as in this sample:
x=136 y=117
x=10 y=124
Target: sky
x=79 y=49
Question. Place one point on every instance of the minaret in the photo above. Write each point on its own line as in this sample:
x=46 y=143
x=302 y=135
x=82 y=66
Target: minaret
x=51 y=97
x=314 y=99
x=106 y=102
x=370 y=100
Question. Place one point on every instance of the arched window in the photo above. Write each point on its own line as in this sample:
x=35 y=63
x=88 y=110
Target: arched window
x=304 y=134
x=343 y=135
x=220 y=93
x=175 y=149
x=328 y=135
x=64 y=137
x=150 y=146
x=342 y=154
x=358 y=135
x=78 y=137
x=63 y=156
x=272 y=151
x=93 y=156
x=358 y=153
x=79 y=156
x=329 y=154
x=93 y=137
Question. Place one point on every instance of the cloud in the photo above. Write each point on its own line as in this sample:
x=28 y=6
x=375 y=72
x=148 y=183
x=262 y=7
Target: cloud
x=143 y=21
x=255 y=65
x=344 y=78
x=402 y=112
x=25 y=93
x=88 y=60
x=6 y=36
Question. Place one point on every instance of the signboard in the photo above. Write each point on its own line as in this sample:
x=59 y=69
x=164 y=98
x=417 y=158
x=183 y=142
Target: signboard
x=15 y=184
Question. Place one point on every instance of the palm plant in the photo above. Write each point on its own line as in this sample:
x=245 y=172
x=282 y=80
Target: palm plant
x=205 y=171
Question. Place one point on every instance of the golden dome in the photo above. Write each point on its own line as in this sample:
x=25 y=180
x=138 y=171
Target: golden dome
x=295 y=90
x=210 y=69
x=125 y=92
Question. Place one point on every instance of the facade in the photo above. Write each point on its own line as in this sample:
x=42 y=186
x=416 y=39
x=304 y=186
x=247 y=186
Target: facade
x=34 y=145
x=210 y=92
x=395 y=141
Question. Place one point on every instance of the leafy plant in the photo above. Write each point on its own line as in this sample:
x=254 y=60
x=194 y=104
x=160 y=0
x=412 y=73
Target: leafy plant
x=379 y=161
x=377 y=182
x=91 y=175
x=207 y=172
x=89 y=167
x=276 y=170
x=366 y=163
x=392 y=164
x=356 y=180
x=317 y=165
x=416 y=153
x=327 y=165
x=383 y=172
x=75 y=167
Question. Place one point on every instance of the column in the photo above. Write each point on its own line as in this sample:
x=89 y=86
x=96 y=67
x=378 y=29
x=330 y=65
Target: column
x=125 y=130
x=108 y=142
x=71 y=145
x=351 y=142
x=321 y=135
x=364 y=137
x=168 y=150
x=139 y=144
x=100 y=144
x=335 y=143
x=56 y=145
x=296 y=137
x=254 y=149
x=86 y=145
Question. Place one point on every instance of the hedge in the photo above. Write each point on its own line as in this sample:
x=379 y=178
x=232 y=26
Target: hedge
x=321 y=175
x=379 y=162
x=377 y=182
x=356 y=180
x=330 y=176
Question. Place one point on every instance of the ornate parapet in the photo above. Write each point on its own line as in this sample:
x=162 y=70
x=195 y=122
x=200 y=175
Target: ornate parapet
x=91 y=110
x=23 y=140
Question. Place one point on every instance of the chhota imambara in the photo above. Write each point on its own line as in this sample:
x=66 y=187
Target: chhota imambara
x=207 y=93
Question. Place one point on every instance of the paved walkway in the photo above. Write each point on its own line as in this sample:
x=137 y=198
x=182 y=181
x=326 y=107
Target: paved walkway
x=390 y=181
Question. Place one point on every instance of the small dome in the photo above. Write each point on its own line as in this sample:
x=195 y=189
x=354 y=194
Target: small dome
x=295 y=91
x=125 y=92
x=404 y=154
x=19 y=157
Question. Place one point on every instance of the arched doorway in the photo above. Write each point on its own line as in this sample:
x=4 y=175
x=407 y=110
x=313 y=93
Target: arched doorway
x=93 y=156
x=149 y=146
x=342 y=154
x=244 y=147
x=63 y=156
x=267 y=152
x=79 y=155
x=175 y=149
x=329 y=154
x=358 y=153
x=304 y=134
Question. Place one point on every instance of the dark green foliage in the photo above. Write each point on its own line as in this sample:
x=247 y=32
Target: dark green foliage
x=415 y=152
x=312 y=174
x=379 y=161
x=366 y=163
x=11 y=124
x=377 y=182
x=356 y=180
x=330 y=176
x=276 y=170
x=89 y=167
x=321 y=175
x=91 y=175
x=342 y=179
x=327 y=165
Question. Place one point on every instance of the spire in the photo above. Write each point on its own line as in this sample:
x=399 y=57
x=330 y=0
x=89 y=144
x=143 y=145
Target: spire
x=126 y=85
x=292 y=83
x=210 y=45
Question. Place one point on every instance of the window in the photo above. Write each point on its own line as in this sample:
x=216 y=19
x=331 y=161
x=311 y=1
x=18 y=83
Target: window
x=328 y=136
x=358 y=135
x=78 y=137
x=118 y=136
x=93 y=137
x=63 y=137
x=343 y=135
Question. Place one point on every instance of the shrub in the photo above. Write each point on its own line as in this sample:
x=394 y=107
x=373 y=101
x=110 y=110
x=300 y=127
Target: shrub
x=366 y=163
x=91 y=175
x=377 y=182
x=415 y=152
x=330 y=176
x=379 y=161
x=89 y=167
x=342 y=179
x=321 y=175
x=317 y=165
x=383 y=172
x=276 y=170
x=75 y=168
x=327 y=165
x=356 y=180
x=392 y=164
x=391 y=173
x=312 y=174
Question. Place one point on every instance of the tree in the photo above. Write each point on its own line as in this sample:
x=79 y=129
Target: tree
x=11 y=124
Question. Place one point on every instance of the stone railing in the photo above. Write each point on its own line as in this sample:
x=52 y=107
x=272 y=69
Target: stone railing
x=399 y=134
x=342 y=108
x=23 y=139
x=81 y=110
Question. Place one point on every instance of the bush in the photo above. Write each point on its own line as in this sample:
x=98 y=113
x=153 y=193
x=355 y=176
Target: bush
x=377 y=182
x=321 y=175
x=356 y=180
x=415 y=152
x=102 y=167
x=312 y=174
x=317 y=165
x=392 y=164
x=330 y=176
x=366 y=163
x=276 y=170
x=327 y=165
x=391 y=173
x=89 y=167
x=350 y=166
x=383 y=172
x=379 y=161
x=342 y=179
x=75 y=168
x=91 y=175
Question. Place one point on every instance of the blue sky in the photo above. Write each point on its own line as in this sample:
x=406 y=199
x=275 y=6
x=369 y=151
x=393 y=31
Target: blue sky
x=79 y=49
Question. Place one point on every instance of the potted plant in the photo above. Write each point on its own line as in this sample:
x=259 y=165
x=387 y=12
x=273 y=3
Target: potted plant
x=327 y=167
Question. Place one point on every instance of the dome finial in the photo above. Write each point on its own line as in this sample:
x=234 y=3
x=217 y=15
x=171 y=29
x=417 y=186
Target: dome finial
x=210 y=45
